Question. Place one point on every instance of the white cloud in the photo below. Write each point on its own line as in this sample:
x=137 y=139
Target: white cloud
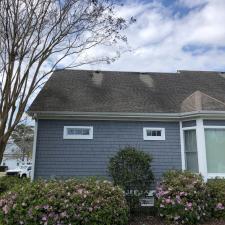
x=159 y=37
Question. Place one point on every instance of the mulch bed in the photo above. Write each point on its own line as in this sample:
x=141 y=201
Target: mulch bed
x=152 y=220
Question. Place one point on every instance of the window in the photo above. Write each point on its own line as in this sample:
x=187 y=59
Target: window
x=153 y=133
x=215 y=150
x=78 y=132
x=190 y=150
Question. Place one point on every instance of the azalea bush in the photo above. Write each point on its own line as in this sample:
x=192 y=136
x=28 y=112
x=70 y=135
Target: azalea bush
x=88 y=202
x=182 y=198
x=9 y=182
x=217 y=191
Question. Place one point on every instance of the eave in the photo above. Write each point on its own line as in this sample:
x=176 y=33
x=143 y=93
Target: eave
x=128 y=116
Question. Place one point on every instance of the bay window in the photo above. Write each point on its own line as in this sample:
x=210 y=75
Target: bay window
x=203 y=149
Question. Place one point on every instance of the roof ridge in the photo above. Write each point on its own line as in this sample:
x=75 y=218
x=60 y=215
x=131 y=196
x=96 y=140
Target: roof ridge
x=141 y=72
x=115 y=71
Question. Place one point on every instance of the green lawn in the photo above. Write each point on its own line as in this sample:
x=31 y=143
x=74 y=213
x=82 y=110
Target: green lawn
x=2 y=174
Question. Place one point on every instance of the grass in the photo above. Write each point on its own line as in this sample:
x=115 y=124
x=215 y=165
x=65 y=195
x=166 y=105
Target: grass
x=2 y=174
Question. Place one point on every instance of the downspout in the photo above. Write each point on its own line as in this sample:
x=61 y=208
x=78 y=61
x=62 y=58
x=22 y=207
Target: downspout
x=34 y=149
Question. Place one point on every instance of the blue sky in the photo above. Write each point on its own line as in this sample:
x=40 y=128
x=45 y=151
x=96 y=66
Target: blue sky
x=171 y=35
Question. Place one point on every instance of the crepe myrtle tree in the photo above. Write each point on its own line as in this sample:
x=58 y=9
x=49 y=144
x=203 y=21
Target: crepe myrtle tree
x=38 y=35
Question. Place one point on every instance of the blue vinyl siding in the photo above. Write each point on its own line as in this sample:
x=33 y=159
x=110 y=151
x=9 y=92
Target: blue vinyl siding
x=56 y=157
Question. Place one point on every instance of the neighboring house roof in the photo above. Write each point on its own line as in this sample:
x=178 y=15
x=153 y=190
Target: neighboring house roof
x=72 y=91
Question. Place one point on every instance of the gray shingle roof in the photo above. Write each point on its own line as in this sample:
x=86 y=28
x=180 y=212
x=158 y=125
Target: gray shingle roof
x=133 y=92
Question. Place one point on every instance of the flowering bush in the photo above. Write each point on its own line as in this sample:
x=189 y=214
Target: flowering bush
x=217 y=191
x=182 y=198
x=88 y=202
x=9 y=182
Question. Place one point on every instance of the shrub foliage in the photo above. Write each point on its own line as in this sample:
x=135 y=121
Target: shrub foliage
x=88 y=202
x=9 y=182
x=131 y=169
x=182 y=198
x=217 y=191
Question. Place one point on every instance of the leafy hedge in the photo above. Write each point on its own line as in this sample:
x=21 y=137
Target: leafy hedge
x=217 y=191
x=131 y=169
x=9 y=182
x=183 y=198
x=88 y=202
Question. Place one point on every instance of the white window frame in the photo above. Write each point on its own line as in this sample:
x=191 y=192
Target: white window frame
x=214 y=175
x=182 y=129
x=154 y=138
x=75 y=136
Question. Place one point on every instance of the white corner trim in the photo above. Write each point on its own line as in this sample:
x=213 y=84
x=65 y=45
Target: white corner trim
x=34 y=149
x=75 y=136
x=200 y=134
x=182 y=146
x=154 y=138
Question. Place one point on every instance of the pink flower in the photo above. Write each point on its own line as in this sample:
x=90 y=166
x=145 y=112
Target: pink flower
x=189 y=205
x=1 y=203
x=168 y=201
x=63 y=214
x=220 y=206
x=5 y=209
x=178 y=199
x=44 y=218
x=80 y=191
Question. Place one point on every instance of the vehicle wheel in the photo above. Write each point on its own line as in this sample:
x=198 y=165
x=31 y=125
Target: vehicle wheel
x=23 y=176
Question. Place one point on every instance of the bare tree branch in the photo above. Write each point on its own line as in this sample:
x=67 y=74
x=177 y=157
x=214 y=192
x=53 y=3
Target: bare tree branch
x=36 y=35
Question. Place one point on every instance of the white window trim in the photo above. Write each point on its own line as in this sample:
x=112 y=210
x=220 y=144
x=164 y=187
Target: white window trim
x=89 y=136
x=182 y=129
x=214 y=175
x=154 y=138
x=214 y=127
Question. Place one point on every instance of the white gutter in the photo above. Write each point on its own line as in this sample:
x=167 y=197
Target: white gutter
x=127 y=116
x=34 y=149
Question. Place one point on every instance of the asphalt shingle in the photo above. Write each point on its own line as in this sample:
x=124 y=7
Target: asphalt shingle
x=111 y=91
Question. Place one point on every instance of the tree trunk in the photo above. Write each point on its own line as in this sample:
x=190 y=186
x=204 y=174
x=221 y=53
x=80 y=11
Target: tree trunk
x=2 y=149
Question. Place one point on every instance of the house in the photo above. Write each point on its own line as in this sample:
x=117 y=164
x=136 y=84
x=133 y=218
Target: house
x=84 y=117
x=10 y=160
x=12 y=157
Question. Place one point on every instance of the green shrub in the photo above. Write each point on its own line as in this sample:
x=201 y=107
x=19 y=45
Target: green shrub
x=217 y=191
x=131 y=170
x=9 y=182
x=182 y=198
x=88 y=202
